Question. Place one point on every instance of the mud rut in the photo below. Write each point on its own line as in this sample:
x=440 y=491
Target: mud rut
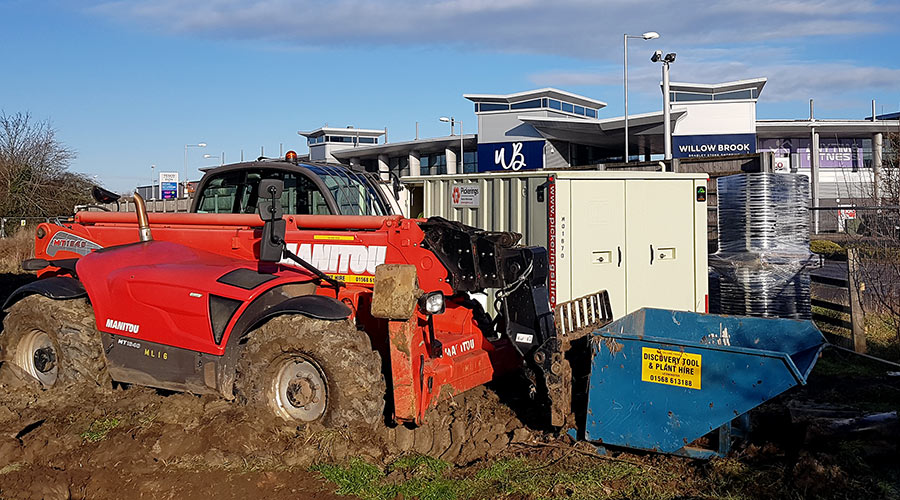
x=124 y=442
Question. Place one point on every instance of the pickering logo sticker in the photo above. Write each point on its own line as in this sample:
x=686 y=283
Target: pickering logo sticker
x=465 y=195
x=122 y=326
x=340 y=259
x=516 y=160
x=70 y=243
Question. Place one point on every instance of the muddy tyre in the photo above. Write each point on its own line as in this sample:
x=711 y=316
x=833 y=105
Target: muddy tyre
x=55 y=342
x=310 y=370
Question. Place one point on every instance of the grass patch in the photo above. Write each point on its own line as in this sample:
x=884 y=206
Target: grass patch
x=357 y=477
x=425 y=478
x=539 y=479
x=16 y=248
x=13 y=467
x=847 y=366
x=99 y=429
x=882 y=338
x=419 y=477
x=843 y=471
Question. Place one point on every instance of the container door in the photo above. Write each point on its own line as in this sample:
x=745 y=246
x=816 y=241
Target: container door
x=597 y=240
x=660 y=241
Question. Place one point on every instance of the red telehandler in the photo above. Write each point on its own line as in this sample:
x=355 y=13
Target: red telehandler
x=290 y=287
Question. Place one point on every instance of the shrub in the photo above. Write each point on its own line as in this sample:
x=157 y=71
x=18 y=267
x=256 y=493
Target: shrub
x=827 y=248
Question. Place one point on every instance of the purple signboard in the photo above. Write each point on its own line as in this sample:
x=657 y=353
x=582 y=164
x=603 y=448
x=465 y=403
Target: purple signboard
x=833 y=153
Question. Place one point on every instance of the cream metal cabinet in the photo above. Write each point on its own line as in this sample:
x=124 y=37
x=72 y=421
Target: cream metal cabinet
x=660 y=240
x=599 y=228
x=597 y=236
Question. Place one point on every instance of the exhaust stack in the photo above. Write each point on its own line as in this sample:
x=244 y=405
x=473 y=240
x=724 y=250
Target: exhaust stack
x=143 y=220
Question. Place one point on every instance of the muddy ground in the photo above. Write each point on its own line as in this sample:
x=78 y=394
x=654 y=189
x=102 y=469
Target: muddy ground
x=131 y=442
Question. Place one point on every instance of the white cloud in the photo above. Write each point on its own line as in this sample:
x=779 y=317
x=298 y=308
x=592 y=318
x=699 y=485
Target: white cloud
x=581 y=28
x=716 y=41
x=786 y=81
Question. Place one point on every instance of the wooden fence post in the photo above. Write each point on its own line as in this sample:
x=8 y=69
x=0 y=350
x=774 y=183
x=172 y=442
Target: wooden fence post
x=855 y=288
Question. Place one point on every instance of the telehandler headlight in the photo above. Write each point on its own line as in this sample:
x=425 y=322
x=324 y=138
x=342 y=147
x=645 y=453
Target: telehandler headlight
x=432 y=303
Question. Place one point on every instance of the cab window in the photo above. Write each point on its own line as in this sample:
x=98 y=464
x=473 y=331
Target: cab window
x=237 y=193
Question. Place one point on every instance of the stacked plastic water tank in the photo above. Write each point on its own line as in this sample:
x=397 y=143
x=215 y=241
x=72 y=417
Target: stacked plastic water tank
x=763 y=262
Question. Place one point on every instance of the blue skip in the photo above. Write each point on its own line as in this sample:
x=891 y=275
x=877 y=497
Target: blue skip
x=661 y=379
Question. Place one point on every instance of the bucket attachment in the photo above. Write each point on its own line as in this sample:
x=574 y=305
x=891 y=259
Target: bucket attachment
x=661 y=379
x=574 y=321
x=576 y=318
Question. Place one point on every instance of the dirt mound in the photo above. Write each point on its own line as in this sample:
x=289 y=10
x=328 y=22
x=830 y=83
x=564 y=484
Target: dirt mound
x=473 y=425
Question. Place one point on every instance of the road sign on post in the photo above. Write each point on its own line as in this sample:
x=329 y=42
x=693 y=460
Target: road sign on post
x=168 y=185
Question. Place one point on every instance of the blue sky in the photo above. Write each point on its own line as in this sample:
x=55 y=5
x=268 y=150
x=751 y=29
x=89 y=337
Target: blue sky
x=128 y=83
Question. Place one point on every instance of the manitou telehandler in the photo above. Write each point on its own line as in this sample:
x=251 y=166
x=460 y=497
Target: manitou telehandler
x=282 y=289
x=292 y=288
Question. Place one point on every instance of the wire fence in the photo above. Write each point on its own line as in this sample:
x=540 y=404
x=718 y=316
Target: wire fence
x=857 y=220
x=11 y=225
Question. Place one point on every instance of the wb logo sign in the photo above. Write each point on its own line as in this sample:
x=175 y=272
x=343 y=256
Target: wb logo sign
x=516 y=160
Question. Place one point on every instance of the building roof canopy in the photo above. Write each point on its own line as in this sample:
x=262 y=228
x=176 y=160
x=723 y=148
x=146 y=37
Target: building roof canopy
x=548 y=92
x=351 y=131
x=423 y=146
x=718 y=88
x=845 y=128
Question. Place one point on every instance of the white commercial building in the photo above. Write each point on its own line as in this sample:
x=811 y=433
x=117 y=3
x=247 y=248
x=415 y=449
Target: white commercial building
x=550 y=128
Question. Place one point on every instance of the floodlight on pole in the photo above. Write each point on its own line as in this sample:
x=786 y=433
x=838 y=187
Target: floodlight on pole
x=666 y=60
x=650 y=35
x=217 y=157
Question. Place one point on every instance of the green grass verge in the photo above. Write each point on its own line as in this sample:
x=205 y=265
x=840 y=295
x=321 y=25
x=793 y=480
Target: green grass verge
x=846 y=475
x=430 y=479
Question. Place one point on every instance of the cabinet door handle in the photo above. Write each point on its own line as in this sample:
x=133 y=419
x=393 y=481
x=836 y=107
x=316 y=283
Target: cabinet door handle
x=620 y=256
x=651 y=255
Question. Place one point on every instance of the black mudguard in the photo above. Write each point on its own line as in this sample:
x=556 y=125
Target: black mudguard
x=57 y=288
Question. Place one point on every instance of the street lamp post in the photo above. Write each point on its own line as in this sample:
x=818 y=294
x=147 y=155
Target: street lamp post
x=186 y=146
x=152 y=175
x=650 y=35
x=462 y=151
x=218 y=157
x=668 y=59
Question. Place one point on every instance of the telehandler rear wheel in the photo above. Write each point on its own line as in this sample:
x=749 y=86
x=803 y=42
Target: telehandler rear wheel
x=55 y=342
x=311 y=370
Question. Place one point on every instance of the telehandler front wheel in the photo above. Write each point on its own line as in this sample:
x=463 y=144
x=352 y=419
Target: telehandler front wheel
x=310 y=370
x=54 y=342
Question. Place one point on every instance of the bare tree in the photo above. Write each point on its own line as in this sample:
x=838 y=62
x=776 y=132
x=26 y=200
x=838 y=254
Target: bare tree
x=878 y=241
x=34 y=170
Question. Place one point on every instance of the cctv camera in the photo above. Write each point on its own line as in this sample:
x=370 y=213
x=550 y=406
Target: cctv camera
x=670 y=57
x=656 y=56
